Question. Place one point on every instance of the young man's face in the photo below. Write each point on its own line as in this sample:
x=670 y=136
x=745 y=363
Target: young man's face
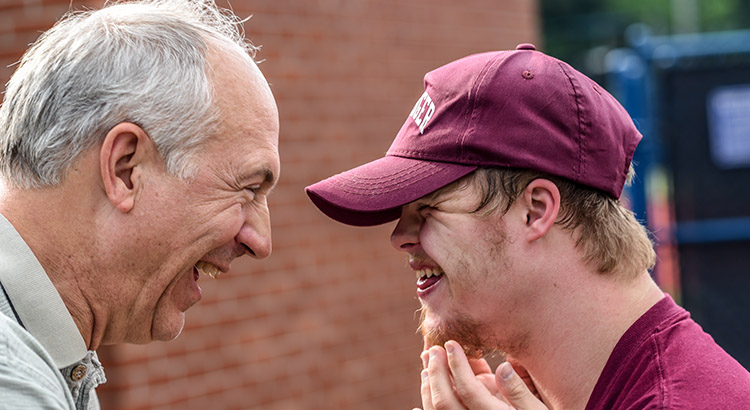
x=468 y=276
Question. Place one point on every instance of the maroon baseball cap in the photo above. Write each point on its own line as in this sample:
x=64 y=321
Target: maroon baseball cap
x=516 y=109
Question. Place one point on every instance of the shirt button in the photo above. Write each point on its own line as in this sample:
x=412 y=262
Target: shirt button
x=78 y=372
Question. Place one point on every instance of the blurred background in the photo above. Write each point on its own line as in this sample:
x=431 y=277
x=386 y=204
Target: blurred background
x=328 y=321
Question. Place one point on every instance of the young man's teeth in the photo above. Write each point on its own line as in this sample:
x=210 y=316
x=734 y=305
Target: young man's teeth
x=208 y=269
x=427 y=273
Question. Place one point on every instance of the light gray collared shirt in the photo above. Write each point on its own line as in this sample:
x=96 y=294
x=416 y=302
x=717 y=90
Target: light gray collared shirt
x=44 y=362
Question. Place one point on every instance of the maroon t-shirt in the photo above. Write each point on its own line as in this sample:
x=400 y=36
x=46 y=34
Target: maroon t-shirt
x=666 y=361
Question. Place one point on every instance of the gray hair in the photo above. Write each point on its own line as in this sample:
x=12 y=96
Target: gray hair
x=143 y=62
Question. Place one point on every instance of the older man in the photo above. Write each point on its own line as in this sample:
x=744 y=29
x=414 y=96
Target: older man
x=139 y=143
x=505 y=182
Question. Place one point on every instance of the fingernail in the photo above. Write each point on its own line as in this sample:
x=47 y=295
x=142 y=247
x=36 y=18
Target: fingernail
x=425 y=374
x=506 y=371
x=424 y=356
x=449 y=348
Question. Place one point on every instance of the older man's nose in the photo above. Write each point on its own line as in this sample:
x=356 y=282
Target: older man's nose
x=255 y=236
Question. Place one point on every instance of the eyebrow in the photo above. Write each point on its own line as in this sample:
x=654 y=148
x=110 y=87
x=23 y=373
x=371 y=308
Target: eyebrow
x=268 y=175
x=433 y=195
x=446 y=190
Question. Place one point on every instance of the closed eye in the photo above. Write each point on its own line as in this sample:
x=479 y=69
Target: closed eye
x=426 y=210
x=253 y=191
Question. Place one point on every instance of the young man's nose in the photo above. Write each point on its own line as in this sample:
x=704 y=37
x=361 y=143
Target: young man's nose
x=406 y=234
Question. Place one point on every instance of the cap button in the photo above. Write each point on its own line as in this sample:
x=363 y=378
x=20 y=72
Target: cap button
x=525 y=46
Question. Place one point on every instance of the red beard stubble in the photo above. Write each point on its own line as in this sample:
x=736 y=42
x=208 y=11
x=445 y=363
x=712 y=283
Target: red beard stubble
x=463 y=330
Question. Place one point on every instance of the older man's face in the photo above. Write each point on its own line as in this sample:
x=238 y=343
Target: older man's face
x=202 y=224
x=466 y=273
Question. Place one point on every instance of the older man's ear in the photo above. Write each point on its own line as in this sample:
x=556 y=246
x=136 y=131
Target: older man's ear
x=124 y=153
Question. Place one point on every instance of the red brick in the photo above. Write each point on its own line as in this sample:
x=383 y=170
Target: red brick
x=333 y=309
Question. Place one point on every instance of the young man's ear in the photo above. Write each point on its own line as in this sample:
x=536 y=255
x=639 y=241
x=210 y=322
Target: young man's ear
x=125 y=151
x=542 y=204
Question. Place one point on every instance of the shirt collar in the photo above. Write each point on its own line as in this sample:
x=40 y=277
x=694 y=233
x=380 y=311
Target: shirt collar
x=35 y=299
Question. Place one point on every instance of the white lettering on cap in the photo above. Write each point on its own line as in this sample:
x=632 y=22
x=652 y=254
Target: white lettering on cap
x=422 y=111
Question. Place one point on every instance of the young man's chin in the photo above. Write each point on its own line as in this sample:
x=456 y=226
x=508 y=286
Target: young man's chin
x=436 y=331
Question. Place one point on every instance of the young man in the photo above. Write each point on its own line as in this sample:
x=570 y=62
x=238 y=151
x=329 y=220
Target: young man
x=505 y=181
x=138 y=145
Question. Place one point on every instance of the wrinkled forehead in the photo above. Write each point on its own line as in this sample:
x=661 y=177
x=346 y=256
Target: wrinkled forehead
x=242 y=93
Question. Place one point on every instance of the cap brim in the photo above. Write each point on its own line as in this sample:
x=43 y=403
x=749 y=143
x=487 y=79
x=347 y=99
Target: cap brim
x=373 y=193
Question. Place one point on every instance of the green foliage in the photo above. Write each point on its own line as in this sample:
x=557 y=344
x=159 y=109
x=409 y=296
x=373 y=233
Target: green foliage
x=573 y=27
x=655 y=13
x=719 y=15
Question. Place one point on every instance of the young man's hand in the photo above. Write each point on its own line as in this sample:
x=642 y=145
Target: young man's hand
x=451 y=381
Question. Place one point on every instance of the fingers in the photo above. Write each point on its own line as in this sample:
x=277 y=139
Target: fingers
x=480 y=366
x=525 y=376
x=451 y=381
x=439 y=382
x=484 y=374
x=425 y=391
x=515 y=390
x=470 y=391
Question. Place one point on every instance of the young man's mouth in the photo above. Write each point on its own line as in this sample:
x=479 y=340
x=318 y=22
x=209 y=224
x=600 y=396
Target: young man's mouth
x=427 y=278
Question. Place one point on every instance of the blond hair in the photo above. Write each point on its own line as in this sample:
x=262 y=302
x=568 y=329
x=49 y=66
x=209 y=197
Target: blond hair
x=610 y=237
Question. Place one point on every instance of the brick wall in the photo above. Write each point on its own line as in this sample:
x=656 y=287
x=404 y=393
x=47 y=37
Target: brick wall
x=327 y=322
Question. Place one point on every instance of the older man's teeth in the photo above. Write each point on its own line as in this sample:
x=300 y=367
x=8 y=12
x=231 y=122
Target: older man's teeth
x=208 y=269
x=428 y=273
